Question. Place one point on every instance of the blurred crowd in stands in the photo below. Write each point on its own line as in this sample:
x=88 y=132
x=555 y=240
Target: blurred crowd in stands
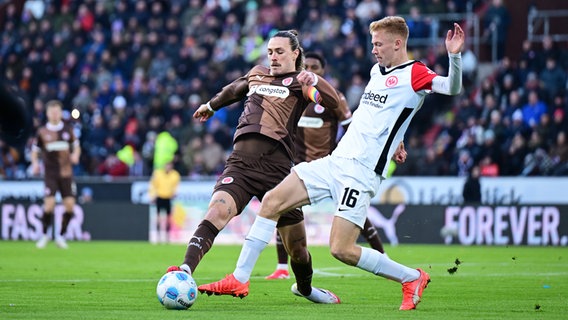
x=129 y=71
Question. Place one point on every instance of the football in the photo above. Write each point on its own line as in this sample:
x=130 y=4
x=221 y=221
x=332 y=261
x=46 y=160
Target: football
x=176 y=290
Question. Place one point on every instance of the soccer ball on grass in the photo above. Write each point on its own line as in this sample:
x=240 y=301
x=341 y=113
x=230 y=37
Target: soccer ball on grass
x=176 y=290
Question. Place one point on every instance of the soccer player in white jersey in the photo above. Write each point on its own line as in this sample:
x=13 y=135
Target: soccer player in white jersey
x=351 y=175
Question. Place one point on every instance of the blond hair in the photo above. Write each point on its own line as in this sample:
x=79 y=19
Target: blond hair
x=391 y=24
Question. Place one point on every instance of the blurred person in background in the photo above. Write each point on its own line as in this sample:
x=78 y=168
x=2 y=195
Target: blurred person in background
x=60 y=150
x=163 y=188
x=472 y=188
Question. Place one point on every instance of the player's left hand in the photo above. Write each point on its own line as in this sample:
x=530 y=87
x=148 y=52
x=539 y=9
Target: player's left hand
x=455 y=39
x=400 y=154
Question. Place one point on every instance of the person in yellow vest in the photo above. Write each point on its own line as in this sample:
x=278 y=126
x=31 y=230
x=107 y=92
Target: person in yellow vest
x=163 y=188
x=165 y=148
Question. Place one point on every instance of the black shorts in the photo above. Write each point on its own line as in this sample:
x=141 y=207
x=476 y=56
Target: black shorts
x=65 y=186
x=163 y=204
x=251 y=174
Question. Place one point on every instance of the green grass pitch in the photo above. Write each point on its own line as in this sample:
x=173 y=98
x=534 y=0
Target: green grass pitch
x=117 y=280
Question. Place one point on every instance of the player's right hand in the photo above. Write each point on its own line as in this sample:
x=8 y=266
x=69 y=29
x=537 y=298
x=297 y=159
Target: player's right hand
x=203 y=113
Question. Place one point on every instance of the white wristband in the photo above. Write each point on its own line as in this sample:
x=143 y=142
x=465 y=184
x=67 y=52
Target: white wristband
x=316 y=79
x=209 y=107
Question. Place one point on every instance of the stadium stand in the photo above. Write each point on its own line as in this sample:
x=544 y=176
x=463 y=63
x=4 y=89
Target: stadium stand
x=129 y=70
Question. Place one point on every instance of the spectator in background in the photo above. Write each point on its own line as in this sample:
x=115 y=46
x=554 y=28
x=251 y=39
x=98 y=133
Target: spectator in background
x=213 y=155
x=405 y=7
x=559 y=155
x=34 y=8
x=496 y=21
x=530 y=56
x=513 y=160
x=355 y=91
x=435 y=7
x=464 y=163
x=549 y=51
x=417 y=25
x=533 y=110
x=559 y=122
x=472 y=188
x=537 y=161
x=552 y=79
x=159 y=66
x=490 y=148
x=9 y=158
x=165 y=149
x=269 y=17
x=112 y=166
x=470 y=66
x=511 y=105
x=367 y=11
x=431 y=165
x=487 y=167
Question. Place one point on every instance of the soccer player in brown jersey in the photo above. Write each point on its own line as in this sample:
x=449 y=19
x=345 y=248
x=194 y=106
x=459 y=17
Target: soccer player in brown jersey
x=263 y=154
x=60 y=150
x=316 y=137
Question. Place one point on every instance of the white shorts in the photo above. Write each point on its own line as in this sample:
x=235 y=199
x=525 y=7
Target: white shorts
x=350 y=184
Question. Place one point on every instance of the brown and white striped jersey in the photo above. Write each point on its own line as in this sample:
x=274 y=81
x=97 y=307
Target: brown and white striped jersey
x=274 y=104
x=56 y=143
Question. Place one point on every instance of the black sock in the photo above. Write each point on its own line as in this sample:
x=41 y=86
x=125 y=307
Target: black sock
x=200 y=243
x=67 y=216
x=303 y=273
x=280 y=250
x=47 y=221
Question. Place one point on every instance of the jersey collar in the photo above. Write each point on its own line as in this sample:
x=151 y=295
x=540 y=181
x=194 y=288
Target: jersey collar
x=385 y=71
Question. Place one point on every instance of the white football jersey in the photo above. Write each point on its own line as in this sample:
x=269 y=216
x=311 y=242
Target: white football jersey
x=387 y=106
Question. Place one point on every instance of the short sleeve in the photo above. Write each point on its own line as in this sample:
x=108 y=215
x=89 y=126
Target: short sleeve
x=421 y=77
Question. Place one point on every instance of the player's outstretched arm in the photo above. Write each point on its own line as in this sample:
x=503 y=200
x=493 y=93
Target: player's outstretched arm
x=451 y=85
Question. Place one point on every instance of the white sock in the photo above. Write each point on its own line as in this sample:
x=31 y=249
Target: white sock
x=185 y=268
x=282 y=266
x=373 y=261
x=260 y=233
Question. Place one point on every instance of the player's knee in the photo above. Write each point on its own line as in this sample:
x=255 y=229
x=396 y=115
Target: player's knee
x=219 y=216
x=337 y=253
x=270 y=203
x=343 y=254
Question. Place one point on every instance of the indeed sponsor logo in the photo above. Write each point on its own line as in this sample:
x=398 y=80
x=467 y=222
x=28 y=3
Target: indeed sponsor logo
x=375 y=97
x=267 y=90
x=372 y=99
